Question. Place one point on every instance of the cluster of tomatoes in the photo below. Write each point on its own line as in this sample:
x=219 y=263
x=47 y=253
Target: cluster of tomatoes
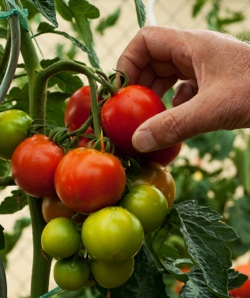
x=96 y=212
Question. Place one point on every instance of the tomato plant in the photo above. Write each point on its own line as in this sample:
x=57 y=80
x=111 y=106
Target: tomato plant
x=71 y=274
x=87 y=180
x=112 y=234
x=60 y=238
x=111 y=275
x=158 y=176
x=78 y=108
x=14 y=128
x=33 y=165
x=148 y=204
x=53 y=207
x=244 y=290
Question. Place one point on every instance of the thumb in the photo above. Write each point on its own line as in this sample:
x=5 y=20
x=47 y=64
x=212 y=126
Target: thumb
x=177 y=124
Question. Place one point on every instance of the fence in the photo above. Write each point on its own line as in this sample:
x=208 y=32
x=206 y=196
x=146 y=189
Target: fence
x=108 y=47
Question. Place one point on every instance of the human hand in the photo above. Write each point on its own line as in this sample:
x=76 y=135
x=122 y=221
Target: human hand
x=215 y=89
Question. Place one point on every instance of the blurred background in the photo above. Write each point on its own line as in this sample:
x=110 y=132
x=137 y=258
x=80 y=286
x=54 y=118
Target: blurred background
x=218 y=178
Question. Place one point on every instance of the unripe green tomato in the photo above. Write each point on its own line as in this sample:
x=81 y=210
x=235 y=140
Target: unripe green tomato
x=148 y=204
x=112 y=275
x=60 y=238
x=71 y=274
x=112 y=234
x=14 y=128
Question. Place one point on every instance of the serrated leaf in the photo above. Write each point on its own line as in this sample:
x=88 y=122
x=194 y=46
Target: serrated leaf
x=109 y=21
x=206 y=238
x=13 y=203
x=47 y=9
x=141 y=13
x=236 y=279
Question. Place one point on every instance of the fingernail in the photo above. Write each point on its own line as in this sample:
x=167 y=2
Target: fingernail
x=144 y=141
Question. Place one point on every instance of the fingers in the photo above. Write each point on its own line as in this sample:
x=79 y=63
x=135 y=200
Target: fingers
x=184 y=92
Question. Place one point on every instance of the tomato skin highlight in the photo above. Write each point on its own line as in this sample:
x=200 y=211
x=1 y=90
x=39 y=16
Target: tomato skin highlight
x=244 y=290
x=112 y=234
x=33 y=165
x=87 y=180
x=60 y=238
x=125 y=111
x=78 y=108
x=71 y=274
x=148 y=204
x=14 y=126
x=112 y=275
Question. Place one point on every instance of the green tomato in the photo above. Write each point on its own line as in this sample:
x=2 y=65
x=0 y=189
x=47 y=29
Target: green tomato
x=148 y=204
x=71 y=274
x=60 y=238
x=111 y=275
x=14 y=128
x=112 y=234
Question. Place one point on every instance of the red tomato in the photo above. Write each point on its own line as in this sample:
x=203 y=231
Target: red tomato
x=83 y=141
x=53 y=207
x=87 y=180
x=163 y=156
x=125 y=111
x=78 y=108
x=244 y=290
x=33 y=165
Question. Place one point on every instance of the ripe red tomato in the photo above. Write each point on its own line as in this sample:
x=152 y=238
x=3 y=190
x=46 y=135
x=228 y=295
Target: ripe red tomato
x=158 y=176
x=87 y=180
x=78 y=108
x=33 y=165
x=125 y=111
x=53 y=207
x=112 y=234
x=244 y=290
x=162 y=156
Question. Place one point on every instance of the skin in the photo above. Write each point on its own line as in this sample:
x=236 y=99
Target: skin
x=213 y=75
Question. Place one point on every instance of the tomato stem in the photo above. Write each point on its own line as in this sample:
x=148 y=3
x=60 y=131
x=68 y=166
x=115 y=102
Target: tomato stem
x=95 y=107
x=37 y=99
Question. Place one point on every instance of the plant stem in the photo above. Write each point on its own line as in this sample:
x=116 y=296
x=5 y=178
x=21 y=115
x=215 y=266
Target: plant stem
x=37 y=103
x=95 y=106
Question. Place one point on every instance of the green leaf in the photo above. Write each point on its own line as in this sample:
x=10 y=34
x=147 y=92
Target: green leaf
x=141 y=13
x=109 y=21
x=239 y=215
x=145 y=282
x=4 y=168
x=55 y=109
x=236 y=279
x=2 y=240
x=219 y=143
x=82 y=12
x=11 y=239
x=44 y=28
x=13 y=203
x=47 y=9
x=63 y=9
x=197 y=7
x=206 y=238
